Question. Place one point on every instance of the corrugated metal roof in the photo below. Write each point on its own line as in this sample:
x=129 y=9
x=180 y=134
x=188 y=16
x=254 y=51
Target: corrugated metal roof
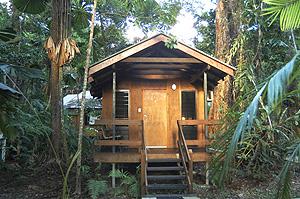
x=72 y=101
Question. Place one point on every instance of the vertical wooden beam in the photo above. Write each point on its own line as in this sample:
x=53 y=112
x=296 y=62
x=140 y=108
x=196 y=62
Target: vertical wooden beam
x=191 y=170
x=206 y=117
x=143 y=169
x=114 y=126
x=205 y=101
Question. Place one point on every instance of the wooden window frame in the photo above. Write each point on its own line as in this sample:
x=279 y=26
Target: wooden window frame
x=128 y=91
x=196 y=107
x=196 y=101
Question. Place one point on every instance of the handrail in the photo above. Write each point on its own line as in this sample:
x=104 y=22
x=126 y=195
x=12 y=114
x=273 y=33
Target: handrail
x=183 y=148
x=121 y=122
x=182 y=139
x=198 y=122
x=117 y=122
x=184 y=155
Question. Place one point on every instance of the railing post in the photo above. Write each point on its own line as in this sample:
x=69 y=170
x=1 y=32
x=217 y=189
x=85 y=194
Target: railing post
x=191 y=170
x=143 y=169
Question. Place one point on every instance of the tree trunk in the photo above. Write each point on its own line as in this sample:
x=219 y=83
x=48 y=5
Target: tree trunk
x=227 y=29
x=59 y=31
x=55 y=103
x=82 y=104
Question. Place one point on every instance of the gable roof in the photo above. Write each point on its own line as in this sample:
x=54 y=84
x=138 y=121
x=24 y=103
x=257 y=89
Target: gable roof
x=133 y=49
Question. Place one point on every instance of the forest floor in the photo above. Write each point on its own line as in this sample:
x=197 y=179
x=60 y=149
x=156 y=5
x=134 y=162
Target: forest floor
x=46 y=182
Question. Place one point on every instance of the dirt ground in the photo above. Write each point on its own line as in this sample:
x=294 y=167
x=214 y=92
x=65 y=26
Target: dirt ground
x=46 y=182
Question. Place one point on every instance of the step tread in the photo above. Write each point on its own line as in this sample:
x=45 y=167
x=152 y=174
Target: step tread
x=171 y=196
x=167 y=160
x=166 y=177
x=166 y=186
x=175 y=168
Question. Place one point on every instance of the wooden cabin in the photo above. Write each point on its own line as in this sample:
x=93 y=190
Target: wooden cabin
x=155 y=107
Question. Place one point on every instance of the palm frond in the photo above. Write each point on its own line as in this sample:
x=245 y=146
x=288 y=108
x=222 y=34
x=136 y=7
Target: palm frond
x=287 y=10
x=284 y=184
x=277 y=84
x=244 y=124
x=274 y=89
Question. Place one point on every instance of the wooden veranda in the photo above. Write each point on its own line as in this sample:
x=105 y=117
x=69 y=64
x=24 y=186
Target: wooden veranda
x=136 y=151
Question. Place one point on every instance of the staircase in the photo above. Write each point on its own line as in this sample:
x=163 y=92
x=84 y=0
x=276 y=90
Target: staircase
x=165 y=175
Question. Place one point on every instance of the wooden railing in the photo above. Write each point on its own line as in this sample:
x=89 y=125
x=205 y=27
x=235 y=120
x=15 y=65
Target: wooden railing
x=186 y=157
x=140 y=144
x=186 y=154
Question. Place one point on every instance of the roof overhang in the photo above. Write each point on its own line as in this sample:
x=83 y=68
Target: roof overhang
x=142 y=61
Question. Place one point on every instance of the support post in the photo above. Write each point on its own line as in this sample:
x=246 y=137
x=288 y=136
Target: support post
x=191 y=170
x=206 y=117
x=114 y=126
x=143 y=169
x=205 y=102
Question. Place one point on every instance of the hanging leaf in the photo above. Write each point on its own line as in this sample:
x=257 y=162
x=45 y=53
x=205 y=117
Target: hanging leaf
x=7 y=34
x=50 y=48
x=30 y=6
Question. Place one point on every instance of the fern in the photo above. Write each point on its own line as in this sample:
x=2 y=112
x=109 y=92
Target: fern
x=97 y=188
x=129 y=183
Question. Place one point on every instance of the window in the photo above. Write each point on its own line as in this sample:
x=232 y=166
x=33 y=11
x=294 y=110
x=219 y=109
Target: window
x=188 y=112
x=122 y=104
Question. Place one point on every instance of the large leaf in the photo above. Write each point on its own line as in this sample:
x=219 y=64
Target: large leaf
x=8 y=91
x=22 y=71
x=7 y=34
x=30 y=6
x=287 y=10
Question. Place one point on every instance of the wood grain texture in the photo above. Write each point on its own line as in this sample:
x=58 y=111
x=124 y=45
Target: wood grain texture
x=155 y=117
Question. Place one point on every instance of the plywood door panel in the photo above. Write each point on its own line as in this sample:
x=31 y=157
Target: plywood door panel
x=155 y=117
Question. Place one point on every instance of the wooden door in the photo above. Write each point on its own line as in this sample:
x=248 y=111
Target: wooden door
x=155 y=117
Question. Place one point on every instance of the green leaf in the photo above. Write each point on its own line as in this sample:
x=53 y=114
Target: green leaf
x=30 y=6
x=7 y=34
x=287 y=10
x=97 y=188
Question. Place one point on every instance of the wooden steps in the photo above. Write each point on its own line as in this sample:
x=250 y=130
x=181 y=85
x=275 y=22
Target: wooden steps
x=164 y=160
x=171 y=196
x=165 y=176
x=166 y=186
x=175 y=168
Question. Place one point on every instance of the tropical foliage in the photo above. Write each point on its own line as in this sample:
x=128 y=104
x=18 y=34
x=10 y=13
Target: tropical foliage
x=266 y=134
